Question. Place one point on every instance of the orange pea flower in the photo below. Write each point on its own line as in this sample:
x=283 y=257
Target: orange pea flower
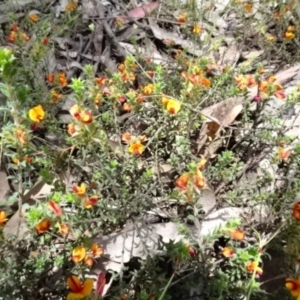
x=43 y=226
x=75 y=111
x=101 y=80
x=54 y=207
x=79 y=290
x=79 y=190
x=3 y=218
x=86 y=117
x=89 y=261
x=96 y=250
x=55 y=96
x=37 y=114
x=248 y=7
x=283 y=153
x=126 y=137
x=91 y=202
x=12 y=37
x=228 y=252
x=173 y=107
x=62 y=79
x=289 y=35
x=63 y=229
x=199 y=180
x=50 y=78
x=237 y=234
x=197 y=29
x=78 y=254
x=72 y=129
x=149 y=89
x=182 y=181
x=182 y=18
x=136 y=148
x=271 y=38
x=293 y=286
x=201 y=164
x=296 y=211
x=25 y=37
x=253 y=267
x=33 y=18
x=21 y=135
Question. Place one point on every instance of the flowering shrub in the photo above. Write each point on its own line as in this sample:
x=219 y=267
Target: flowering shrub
x=129 y=146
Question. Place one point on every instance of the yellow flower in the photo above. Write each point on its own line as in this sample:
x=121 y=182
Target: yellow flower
x=293 y=286
x=199 y=180
x=201 y=163
x=78 y=254
x=253 y=267
x=96 y=250
x=37 y=114
x=197 y=29
x=86 y=117
x=149 y=89
x=79 y=290
x=227 y=252
x=33 y=18
x=79 y=190
x=3 y=218
x=136 y=148
x=289 y=35
x=173 y=107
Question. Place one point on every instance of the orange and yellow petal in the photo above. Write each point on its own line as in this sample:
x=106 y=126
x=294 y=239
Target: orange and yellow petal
x=87 y=287
x=86 y=117
x=43 y=226
x=96 y=250
x=293 y=286
x=182 y=181
x=91 y=201
x=136 y=148
x=64 y=229
x=199 y=180
x=89 y=261
x=253 y=267
x=78 y=254
x=228 y=252
x=3 y=218
x=75 y=111
x=237 y=234
x=80 y=190
x=74 y=284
